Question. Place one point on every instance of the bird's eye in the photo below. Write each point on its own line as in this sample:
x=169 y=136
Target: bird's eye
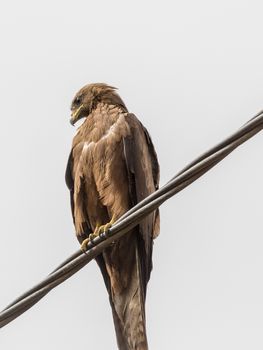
x=77 y=100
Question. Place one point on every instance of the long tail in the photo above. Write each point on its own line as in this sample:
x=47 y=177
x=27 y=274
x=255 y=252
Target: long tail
x=121 y=266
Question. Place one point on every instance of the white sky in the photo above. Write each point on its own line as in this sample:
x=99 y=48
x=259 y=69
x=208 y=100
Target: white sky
x=192 y=72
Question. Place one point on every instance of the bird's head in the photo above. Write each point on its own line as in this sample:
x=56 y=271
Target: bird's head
x=87 y=98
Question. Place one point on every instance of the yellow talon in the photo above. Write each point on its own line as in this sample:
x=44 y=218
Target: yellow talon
x=84 y=244
x=98 y=230
x=104 y=228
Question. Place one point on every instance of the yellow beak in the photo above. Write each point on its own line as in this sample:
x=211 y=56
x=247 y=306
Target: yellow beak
x=75 y=115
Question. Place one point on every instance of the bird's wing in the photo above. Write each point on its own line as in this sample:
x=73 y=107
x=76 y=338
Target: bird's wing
x=70 y=184
x=70 y=181
x=143 y=179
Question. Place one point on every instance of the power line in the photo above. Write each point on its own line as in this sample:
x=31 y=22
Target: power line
x=130 y=219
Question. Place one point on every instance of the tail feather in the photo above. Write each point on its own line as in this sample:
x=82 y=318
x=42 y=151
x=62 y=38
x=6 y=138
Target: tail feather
x=126 y=293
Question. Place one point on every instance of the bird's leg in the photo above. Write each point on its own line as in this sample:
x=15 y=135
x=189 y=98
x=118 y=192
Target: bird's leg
x=98 y=230
x=104 y=228
x=84 y=244
x=108 y=225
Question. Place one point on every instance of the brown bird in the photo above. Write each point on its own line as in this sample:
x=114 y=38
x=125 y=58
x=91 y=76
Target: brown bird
x=113 y=166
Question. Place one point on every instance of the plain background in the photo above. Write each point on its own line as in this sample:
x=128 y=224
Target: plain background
x=192 y=72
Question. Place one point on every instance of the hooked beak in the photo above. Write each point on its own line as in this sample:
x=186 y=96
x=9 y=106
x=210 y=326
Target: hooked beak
x=75 y=116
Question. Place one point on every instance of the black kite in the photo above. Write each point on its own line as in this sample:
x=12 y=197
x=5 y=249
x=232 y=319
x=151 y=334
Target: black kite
x=112 y=166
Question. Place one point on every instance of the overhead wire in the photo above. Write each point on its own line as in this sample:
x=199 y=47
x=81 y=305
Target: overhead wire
x=131 y=218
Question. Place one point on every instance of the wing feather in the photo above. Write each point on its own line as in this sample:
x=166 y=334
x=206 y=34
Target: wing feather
x=70 y=184
x=143 y=177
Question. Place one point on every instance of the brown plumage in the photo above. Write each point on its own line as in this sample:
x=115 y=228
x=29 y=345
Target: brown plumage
x=112 y=166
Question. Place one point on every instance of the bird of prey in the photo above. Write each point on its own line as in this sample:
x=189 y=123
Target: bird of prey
x=113 y=166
